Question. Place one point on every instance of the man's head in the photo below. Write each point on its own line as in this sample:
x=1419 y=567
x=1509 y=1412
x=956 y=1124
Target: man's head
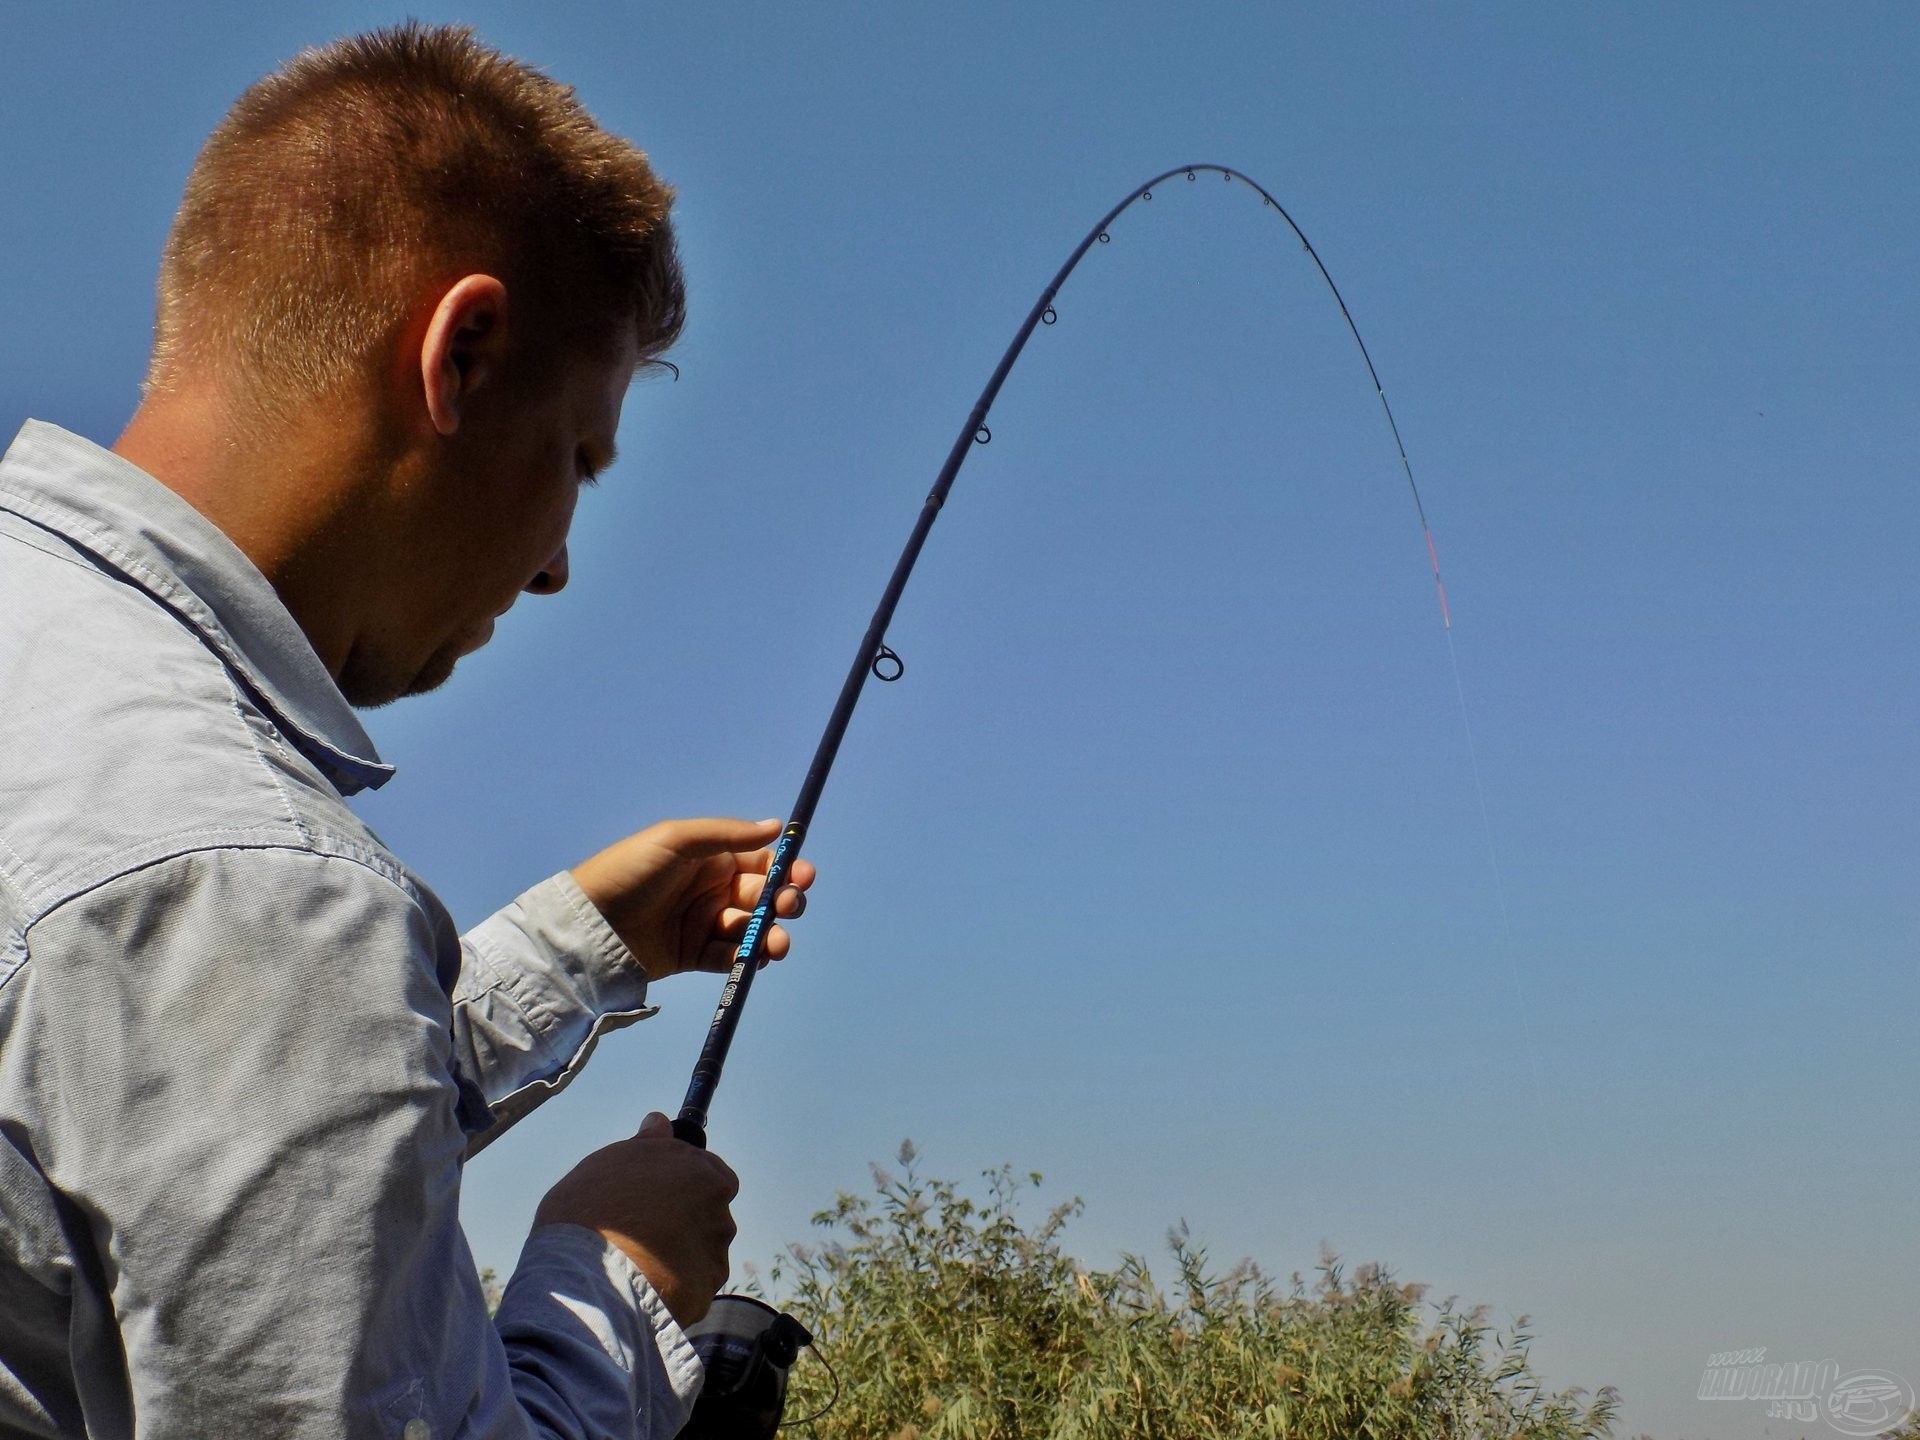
x=421 y=266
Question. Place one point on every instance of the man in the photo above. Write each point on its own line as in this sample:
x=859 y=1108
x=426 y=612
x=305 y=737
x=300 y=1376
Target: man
x=243 y=1052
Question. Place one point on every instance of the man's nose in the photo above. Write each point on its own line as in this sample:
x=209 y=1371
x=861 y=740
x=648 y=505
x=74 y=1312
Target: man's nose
x=552 y=577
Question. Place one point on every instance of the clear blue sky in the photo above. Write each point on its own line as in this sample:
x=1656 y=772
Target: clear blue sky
x=1163 y=870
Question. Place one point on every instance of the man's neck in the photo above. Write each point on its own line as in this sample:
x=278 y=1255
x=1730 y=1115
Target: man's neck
x=288 y=504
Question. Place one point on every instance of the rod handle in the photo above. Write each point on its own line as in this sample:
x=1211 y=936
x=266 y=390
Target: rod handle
x=690 y=1131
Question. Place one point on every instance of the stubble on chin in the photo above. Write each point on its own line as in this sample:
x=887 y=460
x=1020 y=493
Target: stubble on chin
x=368 y=685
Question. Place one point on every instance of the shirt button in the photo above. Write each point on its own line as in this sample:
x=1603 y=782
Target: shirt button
x=417 y=1429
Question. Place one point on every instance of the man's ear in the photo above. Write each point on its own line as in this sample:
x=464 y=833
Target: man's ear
x=465 y=343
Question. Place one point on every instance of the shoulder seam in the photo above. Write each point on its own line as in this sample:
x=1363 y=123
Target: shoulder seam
x=318 y=849
x=20 y=938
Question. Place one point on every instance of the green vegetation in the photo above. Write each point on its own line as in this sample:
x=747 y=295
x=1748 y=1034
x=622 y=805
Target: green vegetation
x=946 y=1320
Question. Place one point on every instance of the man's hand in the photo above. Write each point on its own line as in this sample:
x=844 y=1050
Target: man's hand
x=661 y=1201
x=680 y=893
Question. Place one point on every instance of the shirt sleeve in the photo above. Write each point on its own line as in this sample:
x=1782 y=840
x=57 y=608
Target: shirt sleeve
x=245 y=1074
x=540 y=982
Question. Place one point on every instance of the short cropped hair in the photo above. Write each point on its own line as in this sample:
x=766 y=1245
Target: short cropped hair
x=341 y=185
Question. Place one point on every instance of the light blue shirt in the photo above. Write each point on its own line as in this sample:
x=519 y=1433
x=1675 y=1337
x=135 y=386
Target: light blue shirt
x=244 y=1052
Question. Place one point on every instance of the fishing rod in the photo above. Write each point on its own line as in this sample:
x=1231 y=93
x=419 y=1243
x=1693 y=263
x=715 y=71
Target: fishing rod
x=746 y=1345
x=875 y=659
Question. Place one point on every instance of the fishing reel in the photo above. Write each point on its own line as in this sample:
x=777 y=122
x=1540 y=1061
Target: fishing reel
x=747 y=1347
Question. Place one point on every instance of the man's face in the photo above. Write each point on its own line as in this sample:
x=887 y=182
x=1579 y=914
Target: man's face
x=490 y=521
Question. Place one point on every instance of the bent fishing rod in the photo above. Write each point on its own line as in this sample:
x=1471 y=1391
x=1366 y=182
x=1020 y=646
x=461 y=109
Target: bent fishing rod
x=875 y=659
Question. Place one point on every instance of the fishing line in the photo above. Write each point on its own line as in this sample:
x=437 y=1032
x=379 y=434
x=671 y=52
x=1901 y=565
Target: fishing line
x=877 y=660
x=1506 y=918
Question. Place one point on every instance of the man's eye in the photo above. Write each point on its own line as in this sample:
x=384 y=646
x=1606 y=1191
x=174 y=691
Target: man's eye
x=588 y=475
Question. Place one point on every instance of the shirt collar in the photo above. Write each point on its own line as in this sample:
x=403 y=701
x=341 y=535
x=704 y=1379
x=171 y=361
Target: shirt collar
x=130 y=522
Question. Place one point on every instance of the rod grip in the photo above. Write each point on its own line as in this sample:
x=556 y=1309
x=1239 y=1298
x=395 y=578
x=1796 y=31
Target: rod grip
x=691 y=1131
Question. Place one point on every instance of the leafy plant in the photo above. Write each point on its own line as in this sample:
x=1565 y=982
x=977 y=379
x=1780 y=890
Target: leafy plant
x=945 y=1319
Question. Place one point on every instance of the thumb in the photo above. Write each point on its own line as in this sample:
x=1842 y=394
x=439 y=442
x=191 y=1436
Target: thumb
x=714 y=836
x=656 y=1127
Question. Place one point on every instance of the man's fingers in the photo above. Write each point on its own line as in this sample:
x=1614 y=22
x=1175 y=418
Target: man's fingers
x=746 y=891
x=717 y=956
x=732 y=928
x=760 y=861
x=731 y=924
x=656 y=1127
